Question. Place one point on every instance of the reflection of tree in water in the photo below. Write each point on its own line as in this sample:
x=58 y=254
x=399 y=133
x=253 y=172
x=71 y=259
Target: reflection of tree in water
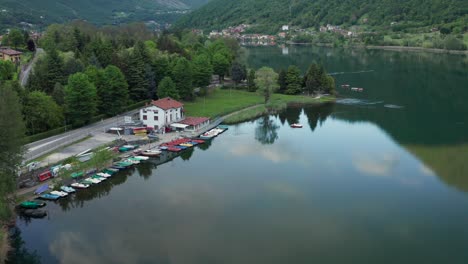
x=291 y=115
x=206 y=145
x=145 y=169
x=20 y=254
x=187 y=154
x=266 y=131
x=318 y=114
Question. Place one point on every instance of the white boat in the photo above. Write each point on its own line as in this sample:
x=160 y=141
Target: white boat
x=79 y=185
x=296 y=126
x=141 y=158
x=95 y=181
x=102 y=174
x=67 y=189
x=59 y=193
x=151 y=153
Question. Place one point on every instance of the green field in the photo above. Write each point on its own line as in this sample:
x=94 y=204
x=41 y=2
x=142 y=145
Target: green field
x=222 y=102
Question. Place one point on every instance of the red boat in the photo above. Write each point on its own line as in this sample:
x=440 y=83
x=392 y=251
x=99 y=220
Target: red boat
x=296 y=126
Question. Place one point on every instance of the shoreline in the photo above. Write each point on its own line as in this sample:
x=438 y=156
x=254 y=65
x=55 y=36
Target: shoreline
x=388 y=48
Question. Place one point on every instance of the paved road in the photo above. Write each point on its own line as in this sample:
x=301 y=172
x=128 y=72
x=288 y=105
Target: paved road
x=44 y=146
x=24 y=76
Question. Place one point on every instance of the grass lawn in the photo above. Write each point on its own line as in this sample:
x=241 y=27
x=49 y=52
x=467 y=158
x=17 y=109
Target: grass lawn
x=222 y=102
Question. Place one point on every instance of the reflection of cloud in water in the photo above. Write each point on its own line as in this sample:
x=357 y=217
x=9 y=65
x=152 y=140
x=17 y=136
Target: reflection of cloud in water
x=425 y=170
x=284 y=189
x=276 y=153
x=375 y=165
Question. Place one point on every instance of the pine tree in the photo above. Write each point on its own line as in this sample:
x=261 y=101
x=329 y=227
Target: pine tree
x=136 y=77
x=167 y=88
x=282 y=81
x=182 y=74
x=293 y=80
x=11 y=146
x=311 y=79
x=112 y=91
x=80 y=99
x=54 y=73
x=251 y=86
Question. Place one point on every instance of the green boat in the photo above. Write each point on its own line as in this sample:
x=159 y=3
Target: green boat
x=124 y=164
x=32 y=204
x=110 y=172
x=77 y=175
x=87 y=182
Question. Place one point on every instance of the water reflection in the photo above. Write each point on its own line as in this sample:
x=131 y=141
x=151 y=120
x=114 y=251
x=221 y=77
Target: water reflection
x=318 y=114
x=266 y=131
x=21 y=255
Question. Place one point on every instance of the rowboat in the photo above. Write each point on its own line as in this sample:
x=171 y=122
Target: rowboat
x=59 y=193
x=296 y=126
x=48 y=196
x=41 y=189
x=67 y=189
x=79 y=185
x=32 y=204
x=142 y=157
x=151 y=153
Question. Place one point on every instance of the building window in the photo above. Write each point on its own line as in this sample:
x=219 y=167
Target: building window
x=145 y=117
x=156 y=118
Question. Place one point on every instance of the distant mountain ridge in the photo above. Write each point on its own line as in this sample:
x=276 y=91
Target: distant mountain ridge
x=12 y=12
x=270 y=14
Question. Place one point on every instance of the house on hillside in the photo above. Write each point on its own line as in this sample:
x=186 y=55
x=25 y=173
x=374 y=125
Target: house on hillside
x=7 y=54
x=162 y=113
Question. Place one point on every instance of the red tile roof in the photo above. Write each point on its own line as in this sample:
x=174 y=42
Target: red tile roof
x=10 y=52
x=193 y=121
x=167 y=103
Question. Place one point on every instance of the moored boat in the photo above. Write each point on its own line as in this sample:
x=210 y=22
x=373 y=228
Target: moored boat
x=41 y=189
x=48 y=196
x=151 y=153
x=79 y=185
x=35 y=213
x=59 y=193
x=32 y=204
x=296 y=126
x=67 y=189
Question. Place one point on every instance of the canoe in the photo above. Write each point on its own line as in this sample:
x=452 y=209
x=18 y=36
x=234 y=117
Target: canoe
x=67 y=189
x=48 y=196
x=32 y=204
x=59 y=193
x=79 y=185
x=35 y=213
x=41 y=189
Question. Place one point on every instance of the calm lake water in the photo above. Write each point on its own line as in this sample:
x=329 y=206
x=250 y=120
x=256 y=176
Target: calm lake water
x=379 y=177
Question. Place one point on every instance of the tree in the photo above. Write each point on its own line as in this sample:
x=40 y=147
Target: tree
x=11 y=146
x=311 y=78
x=113 y=91
x=282 y=81
x=41 y=112
x=202 y=70
x=293 y=80
x=220 y=65
x=182 y=74
x=59 y=94
x=31 y=45
x=267 y=82
x=15 y=37
x=80 y=99
x=7 y=70
x=167 y=88
x=72 y=66
x=251 y=87
x=136 y=76
x=54 y=72
x=238 y=72
x=266 y=131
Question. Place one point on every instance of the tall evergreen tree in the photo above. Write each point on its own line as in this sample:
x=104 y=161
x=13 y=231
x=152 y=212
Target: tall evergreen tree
x=182 y=74
x=282 y=81
x=55 y=73
x=112 y=91
x=59 y=94
x=12 y=131
x=80 y=99
x=136 y=77
x=311 y=79
x=293 y=80
x=251 y=86
x=167 y=88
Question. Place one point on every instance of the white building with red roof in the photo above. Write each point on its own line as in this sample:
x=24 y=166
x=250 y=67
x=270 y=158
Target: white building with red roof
x=162 y=113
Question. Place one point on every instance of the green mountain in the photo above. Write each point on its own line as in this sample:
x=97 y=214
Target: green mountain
x=13 y=12
x=268 y=15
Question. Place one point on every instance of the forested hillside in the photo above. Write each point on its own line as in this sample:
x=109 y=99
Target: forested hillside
x=96 y=11
x=270 y=14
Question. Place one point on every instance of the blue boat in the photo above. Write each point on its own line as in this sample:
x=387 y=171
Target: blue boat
x=193 y=143
x=223 y=127
x=180 y=147
x=41 y=189
x=48 y=196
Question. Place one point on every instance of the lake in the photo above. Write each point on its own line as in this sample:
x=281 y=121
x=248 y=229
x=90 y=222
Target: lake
x=379 y=177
